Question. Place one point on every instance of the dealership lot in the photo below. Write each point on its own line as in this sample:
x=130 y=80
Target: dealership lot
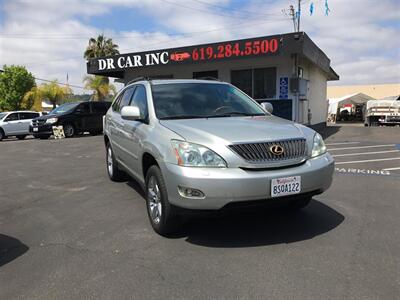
x=66 y=231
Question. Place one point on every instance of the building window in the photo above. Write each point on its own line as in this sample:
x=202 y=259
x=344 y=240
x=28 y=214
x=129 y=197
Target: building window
x=205 y=74
x=257 y=83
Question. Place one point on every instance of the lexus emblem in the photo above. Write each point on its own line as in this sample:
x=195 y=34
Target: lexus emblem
x=276 y=149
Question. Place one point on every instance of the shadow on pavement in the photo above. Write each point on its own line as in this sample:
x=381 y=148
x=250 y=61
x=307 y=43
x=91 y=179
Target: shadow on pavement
x=326 y=131
x=10 y=249
x=267 y=227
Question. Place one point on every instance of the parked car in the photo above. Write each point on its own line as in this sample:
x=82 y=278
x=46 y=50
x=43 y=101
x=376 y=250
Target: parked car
x=199 y=144
x=76 y=118
x=16 y=123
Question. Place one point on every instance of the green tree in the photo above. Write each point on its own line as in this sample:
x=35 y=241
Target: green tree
x=52 y=92
x=100 y=86
x=15 y=81
x=101 y=46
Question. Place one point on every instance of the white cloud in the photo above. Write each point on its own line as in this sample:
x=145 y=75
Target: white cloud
x=52 y=34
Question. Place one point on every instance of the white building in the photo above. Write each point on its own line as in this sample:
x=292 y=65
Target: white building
x=288 y=70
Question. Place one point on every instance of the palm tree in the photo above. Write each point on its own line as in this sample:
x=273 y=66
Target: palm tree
x=52 y=92
x=100 y=86
x=101 y=46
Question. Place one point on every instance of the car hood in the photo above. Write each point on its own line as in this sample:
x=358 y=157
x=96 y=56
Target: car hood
x=235 y=129
x=45 y=117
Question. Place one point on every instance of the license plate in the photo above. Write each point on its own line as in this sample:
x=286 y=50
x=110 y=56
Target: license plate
x=285 y=186
x=35 y=129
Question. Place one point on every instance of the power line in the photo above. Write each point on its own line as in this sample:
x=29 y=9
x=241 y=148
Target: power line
x=61 y=83
x=251 y=13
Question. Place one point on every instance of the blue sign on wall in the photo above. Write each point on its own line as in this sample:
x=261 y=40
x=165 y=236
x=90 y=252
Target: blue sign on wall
x=284 y=88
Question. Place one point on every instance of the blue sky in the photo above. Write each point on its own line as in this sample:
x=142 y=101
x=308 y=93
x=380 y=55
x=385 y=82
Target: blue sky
x=49 y=36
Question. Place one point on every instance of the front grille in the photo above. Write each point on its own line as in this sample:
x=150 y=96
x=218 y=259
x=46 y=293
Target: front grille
x=294 y=150
x=38 y=122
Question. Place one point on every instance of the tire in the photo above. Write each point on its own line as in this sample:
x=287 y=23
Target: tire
x=300 y=203
x=161 y=214
x=114 y=173
x=2 y=136
x=21 y=137
x=44 y=137
x=69 y=130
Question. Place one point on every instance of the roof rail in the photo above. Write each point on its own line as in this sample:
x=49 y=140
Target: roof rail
x=141 y=78
x=208 y=78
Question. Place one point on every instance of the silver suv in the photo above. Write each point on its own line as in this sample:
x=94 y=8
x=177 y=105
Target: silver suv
x=16 y=123
x=200 y=144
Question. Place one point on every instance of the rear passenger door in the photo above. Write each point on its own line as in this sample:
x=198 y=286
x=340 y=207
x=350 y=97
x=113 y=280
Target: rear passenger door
x=117 y=126
x=99 y=109
x=134 y=131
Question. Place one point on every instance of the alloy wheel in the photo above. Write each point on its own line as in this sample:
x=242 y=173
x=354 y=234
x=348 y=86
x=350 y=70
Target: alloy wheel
x=154 y=200
x=110 y=164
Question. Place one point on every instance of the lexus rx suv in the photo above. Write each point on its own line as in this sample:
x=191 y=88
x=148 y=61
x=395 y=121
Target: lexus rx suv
x=206 y=145
x=16 y=123
x=75 y=117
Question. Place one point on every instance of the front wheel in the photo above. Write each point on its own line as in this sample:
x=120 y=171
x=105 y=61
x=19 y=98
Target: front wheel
x=1 y=135
x=161 y=214
x=69 y=130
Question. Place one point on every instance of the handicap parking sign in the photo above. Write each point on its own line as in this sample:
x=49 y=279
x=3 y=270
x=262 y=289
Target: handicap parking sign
x=284 y=88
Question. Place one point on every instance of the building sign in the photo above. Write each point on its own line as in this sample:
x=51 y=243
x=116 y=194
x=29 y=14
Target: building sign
x=283 y=88
x=264 y=46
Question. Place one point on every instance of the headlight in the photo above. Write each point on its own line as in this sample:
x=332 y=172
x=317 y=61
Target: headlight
x=319 y=147
x=193 y=155
x=51 y=121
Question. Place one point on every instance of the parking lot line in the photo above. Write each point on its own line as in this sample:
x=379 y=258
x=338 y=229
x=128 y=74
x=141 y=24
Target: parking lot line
x=366 y=153
x=361 y=147
x=345 y=143
x=391 y=169
x=365 y=161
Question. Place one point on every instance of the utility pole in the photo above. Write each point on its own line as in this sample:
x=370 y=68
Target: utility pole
x=295 y=15
x=298 y=14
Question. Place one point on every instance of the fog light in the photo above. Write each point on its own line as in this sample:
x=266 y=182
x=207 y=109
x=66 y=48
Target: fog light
x=190 y=193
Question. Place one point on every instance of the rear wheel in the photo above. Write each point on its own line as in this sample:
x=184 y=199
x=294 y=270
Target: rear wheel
x=161 y=214
x=21 y=137
x=113 y=171
x=69 y=130
x=2 y=136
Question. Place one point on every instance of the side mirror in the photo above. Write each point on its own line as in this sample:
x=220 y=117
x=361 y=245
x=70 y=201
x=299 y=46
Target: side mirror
x=131 y=113
x=268 y=107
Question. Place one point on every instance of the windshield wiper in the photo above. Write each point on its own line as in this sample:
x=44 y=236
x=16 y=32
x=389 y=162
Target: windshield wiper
x=234 y=113
x=176 y=117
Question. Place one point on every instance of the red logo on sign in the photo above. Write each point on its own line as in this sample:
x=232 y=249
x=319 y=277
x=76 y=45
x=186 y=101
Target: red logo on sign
x=180 y=56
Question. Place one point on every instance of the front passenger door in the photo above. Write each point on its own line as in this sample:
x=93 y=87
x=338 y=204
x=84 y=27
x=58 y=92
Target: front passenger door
x=12 y=124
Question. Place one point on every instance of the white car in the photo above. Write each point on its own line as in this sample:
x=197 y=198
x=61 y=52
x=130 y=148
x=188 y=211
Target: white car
x=16 y=123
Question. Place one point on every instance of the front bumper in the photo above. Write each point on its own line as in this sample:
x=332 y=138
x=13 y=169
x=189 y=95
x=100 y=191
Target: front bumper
x=42 y=129
x=222 y=186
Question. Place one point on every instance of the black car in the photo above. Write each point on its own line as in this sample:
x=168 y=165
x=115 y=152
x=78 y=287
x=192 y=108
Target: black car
x=76 y=118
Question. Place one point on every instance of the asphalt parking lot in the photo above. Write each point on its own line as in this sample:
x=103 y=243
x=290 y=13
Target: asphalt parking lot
x=68 y=232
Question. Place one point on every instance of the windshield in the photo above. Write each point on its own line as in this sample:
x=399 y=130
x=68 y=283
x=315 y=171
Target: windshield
x=201 y=100
x=2 y=115
x=64 y=108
